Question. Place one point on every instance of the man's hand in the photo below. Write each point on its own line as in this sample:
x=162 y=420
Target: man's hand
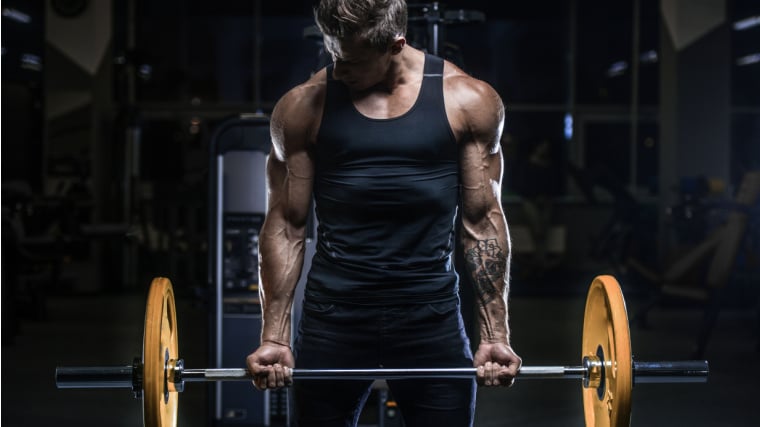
x=271 y=366
x=497 y=364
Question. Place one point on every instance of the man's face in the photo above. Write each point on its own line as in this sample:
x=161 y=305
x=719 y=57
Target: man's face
x=356 y=64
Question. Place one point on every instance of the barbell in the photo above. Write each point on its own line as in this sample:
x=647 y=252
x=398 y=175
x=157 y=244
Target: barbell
x=607 y=371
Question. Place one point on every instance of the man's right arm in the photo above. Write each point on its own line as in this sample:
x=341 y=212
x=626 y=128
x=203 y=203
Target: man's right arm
x=281 y=241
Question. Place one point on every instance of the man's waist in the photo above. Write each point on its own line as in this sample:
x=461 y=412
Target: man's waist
x=377 y=299
x=332 y=281
x=383 y=266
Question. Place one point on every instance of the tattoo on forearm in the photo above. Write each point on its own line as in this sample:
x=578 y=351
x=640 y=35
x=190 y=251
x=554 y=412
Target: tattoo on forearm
x=487 y=263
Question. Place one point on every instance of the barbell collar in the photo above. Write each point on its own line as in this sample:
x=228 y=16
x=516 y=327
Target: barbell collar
x=137 y=378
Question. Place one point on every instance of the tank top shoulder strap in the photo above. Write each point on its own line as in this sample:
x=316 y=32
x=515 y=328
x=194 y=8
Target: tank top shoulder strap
x=433 y=66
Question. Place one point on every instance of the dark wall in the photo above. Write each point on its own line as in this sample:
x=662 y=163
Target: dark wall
x=22 y=94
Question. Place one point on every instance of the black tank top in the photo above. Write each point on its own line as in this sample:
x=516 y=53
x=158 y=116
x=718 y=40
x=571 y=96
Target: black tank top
x=386 y=193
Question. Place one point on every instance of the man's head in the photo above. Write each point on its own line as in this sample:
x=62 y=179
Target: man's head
x=378 y=23
x=362 y=36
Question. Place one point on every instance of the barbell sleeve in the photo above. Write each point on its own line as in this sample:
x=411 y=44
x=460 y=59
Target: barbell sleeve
x=689 y=371
x=95 y=377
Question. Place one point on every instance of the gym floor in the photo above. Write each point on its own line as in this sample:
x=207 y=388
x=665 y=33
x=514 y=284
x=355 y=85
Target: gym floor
x=104 y=330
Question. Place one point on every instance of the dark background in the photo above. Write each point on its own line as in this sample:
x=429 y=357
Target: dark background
x=626 y=140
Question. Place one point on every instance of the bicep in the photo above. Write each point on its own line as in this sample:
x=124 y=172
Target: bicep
x=477 y=115
x=481 y=172
x=290 y=169
x=289 y=185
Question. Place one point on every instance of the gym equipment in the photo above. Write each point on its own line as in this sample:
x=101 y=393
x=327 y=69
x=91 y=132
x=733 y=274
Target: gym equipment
x=435 y=17
x=607 y=370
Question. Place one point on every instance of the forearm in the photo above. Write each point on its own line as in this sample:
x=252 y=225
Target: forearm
x=281 y=259
x=486 y=249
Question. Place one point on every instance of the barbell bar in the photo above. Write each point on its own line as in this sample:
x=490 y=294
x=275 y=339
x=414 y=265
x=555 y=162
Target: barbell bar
x=695 y=371
x=607 y=371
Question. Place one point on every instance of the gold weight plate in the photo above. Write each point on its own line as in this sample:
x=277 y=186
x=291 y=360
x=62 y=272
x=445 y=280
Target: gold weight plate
x=159 y=346
x=605 y=331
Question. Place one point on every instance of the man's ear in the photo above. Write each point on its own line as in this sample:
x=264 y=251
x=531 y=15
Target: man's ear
x=397 y=45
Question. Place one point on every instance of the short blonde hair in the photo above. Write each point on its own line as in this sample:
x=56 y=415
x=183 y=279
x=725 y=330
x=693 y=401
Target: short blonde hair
x=379 y=22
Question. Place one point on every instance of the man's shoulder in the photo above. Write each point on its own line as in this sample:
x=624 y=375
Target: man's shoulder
x=466 y=95
x=296 y=116
x=306 y=97
x=466 y=89
x=473 y=105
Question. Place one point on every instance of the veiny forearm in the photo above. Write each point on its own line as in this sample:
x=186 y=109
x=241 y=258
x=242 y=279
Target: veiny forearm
x=486 y=249
x=281 y=250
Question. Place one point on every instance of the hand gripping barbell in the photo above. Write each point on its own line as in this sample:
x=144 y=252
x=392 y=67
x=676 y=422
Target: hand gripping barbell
x=607 y=369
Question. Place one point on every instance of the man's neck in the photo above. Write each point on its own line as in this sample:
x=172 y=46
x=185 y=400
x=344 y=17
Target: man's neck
x=405 y=68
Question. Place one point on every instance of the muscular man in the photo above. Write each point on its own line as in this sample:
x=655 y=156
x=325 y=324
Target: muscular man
x=390 y=142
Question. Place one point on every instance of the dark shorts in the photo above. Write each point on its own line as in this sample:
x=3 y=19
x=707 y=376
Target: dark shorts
x=350 y=336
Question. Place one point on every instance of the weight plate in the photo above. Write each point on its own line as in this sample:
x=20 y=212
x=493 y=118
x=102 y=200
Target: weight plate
x=159 y=346
x=606 y=336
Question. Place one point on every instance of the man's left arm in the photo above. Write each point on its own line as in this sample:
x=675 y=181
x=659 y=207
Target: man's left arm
x=485 y=234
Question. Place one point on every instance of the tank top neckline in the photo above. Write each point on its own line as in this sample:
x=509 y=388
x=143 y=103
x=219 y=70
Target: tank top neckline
x=427 y=71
